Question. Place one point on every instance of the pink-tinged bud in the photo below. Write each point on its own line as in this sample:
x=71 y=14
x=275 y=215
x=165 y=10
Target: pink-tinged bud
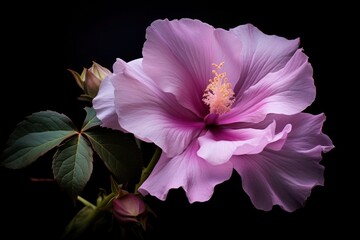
x=89 y=80
x=129 y=208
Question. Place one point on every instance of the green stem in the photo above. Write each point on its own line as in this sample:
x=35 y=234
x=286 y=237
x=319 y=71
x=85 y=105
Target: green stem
x=103 y=205
x=86 y=202
x=146 y=171
x=107 y=200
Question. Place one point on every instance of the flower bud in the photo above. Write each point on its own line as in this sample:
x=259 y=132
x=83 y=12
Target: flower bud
x=89 y=80
x=129 y=208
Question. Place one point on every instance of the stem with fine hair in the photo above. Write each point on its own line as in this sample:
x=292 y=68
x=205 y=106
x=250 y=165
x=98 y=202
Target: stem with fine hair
x=146 y=171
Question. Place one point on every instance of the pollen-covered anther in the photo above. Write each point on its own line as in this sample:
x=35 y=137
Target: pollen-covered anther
x=219 y=95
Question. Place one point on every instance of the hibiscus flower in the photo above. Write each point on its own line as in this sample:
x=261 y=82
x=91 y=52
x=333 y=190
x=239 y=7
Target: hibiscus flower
x=216 y=100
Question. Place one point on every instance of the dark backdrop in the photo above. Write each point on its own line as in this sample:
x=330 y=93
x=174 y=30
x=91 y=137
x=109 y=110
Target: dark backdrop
x=41 y=41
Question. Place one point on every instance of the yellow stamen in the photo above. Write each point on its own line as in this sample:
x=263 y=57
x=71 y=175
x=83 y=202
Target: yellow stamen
x=219 y=95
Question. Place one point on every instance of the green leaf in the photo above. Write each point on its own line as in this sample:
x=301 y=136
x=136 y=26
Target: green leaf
x=34 y=136
x=43 y=121
x=119 y=152
x=91 y=220
x=29 y=148
x=90 y=120
x=72 y=165
x=79 y=224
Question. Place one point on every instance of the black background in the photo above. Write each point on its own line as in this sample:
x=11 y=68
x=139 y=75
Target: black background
x=41 y=41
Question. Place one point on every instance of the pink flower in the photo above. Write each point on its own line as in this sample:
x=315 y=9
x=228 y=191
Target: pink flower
x=215 y=100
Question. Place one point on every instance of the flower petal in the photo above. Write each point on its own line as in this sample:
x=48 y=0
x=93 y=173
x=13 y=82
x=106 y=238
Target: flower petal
x=306 y=136
x=261 y=54
x=196 y=176
x=217 y=146
x=287 y=91
x=286 y=177
x=149 y=113
x=104 y=105
x=179 y=54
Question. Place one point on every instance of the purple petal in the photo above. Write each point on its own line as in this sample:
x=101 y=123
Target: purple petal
x=287 y=91
x=219 y=145
x=286 y=177
x=104 y=105
x=179 y=55
x=149 y=113
x=196 y=176
x=261 y=54
x=307 y=136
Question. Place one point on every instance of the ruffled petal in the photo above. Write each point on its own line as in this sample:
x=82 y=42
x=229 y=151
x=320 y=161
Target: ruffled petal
x=307 y=136
x=261 y=54
x=287 y=91
x=104 y=105
x=149 y=113
x=179 y=54
x=217 y=146
x=196 y=176
x=286 y=177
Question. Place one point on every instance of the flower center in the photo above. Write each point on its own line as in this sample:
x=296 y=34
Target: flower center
x=219 y=95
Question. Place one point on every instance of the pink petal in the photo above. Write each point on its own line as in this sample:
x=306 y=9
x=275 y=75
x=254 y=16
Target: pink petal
x=261 y=54
x=306 y=134
x=179 y=54
x=217 y=146
x=104 y=105
x=196 y=176
x=286 y=177
x=149 y=113
x=287 y=91
x=306 y=137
